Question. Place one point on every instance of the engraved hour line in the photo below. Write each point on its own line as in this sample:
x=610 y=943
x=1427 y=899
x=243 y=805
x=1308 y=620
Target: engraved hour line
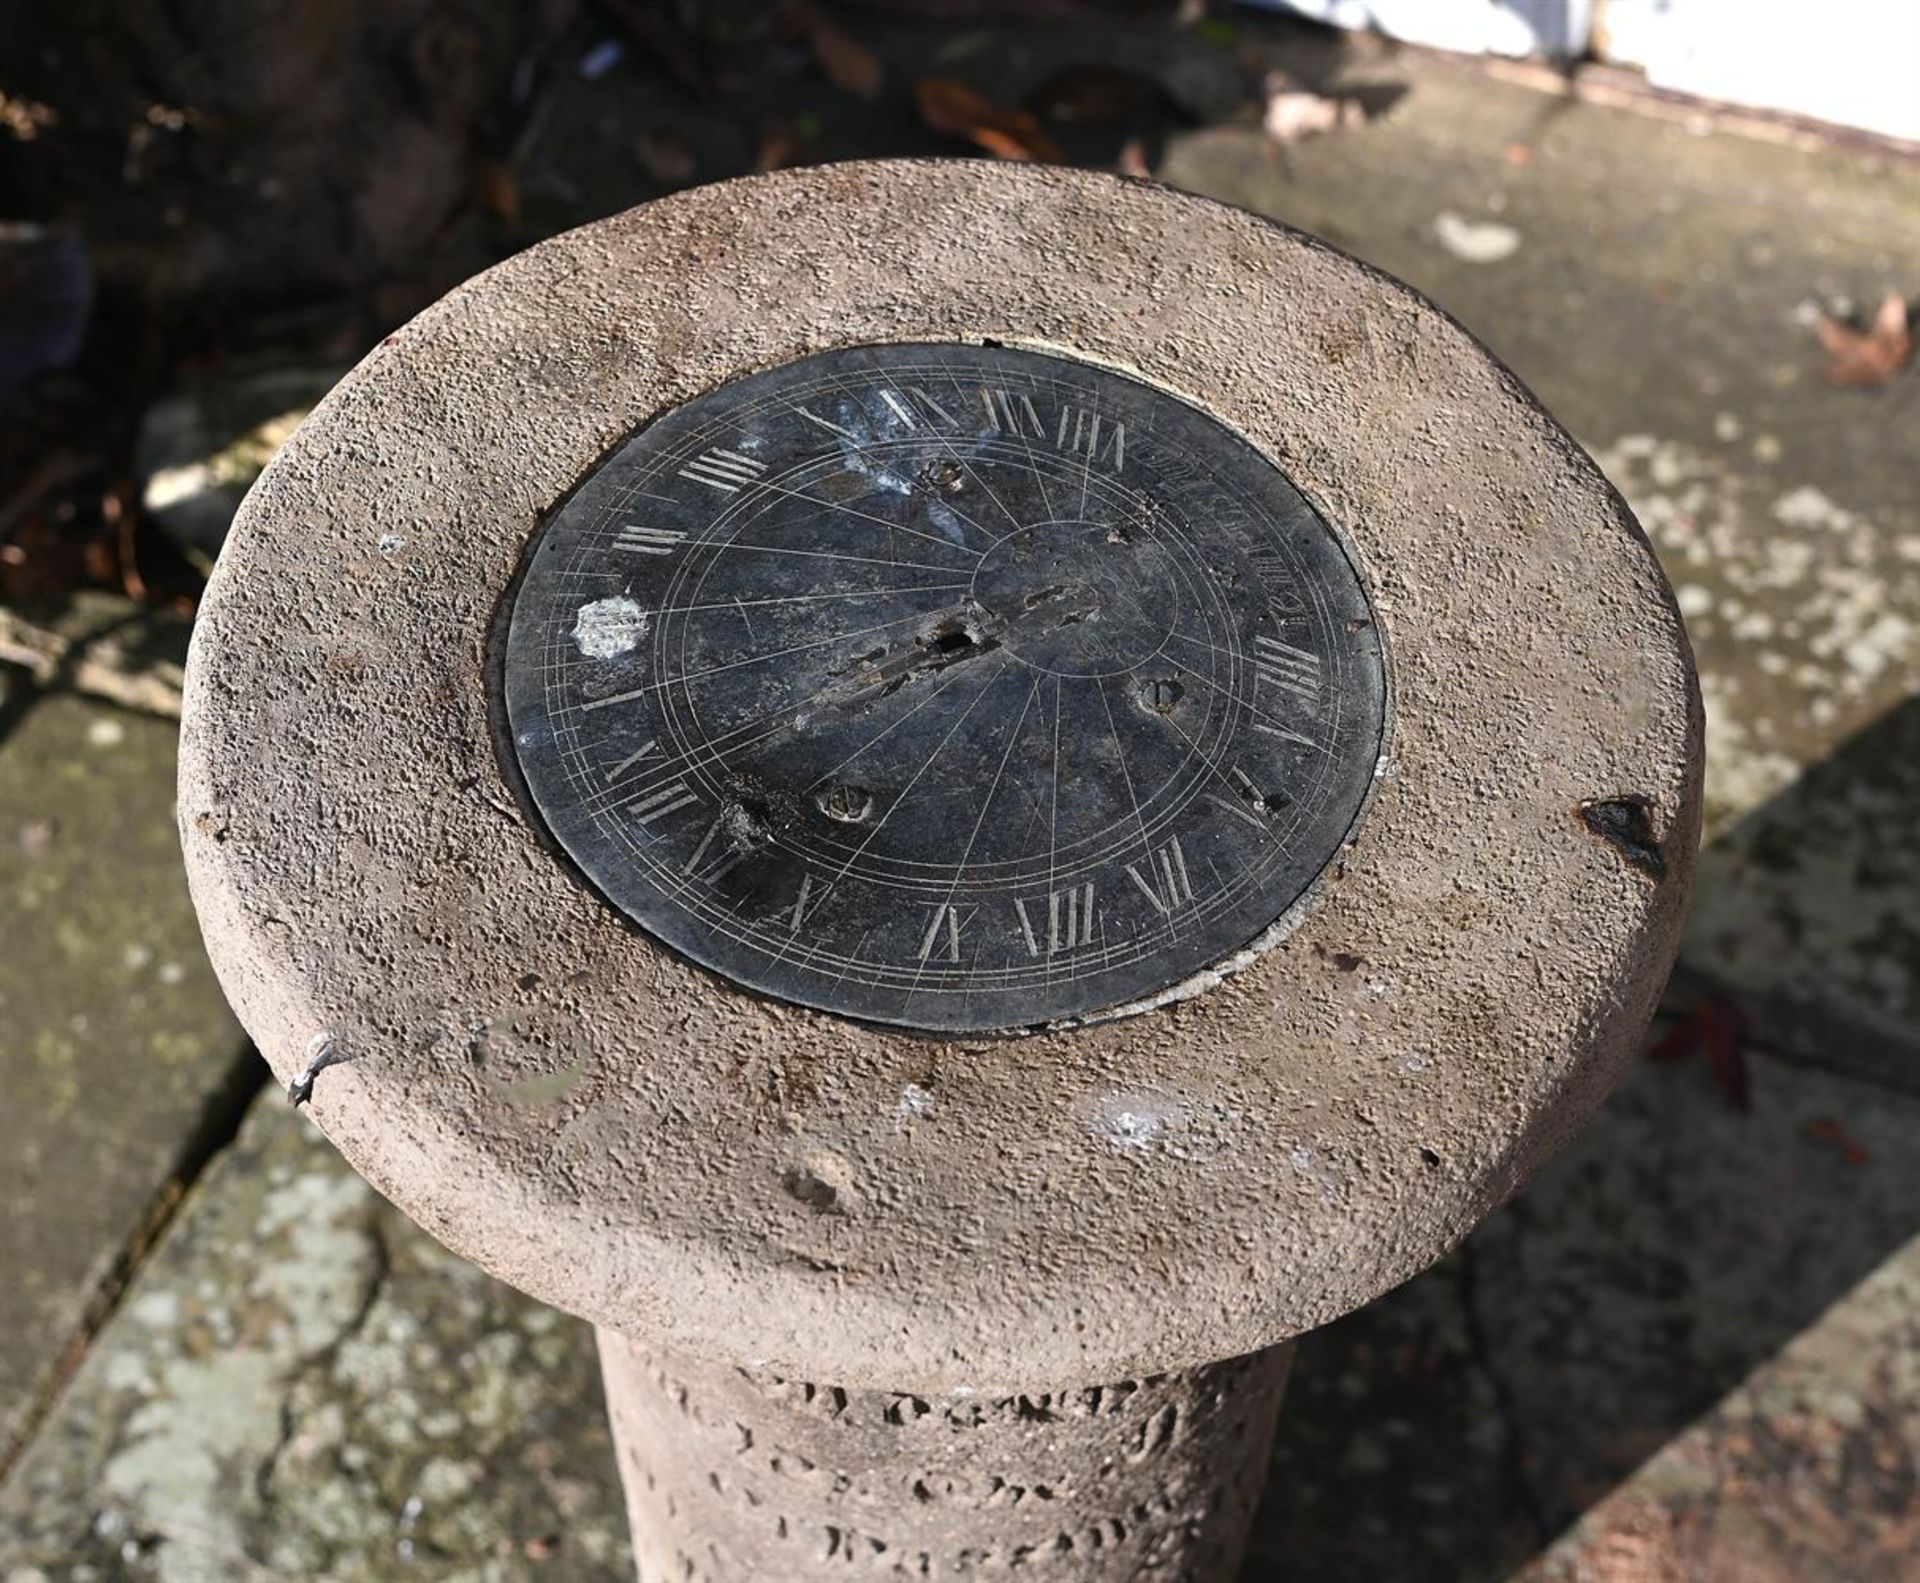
x=724 y=470
x=1165 y=884
x=1120 y=749
x=734 y=740
x=633 y=539
x=751 y=659
x=1241 y=810
x=842 y=509
x=986 y=805
x=801 y=599
x=835 y=555
x=926 y=764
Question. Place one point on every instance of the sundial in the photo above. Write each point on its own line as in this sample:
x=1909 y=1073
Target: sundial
x=959 y=686
x=808 y=773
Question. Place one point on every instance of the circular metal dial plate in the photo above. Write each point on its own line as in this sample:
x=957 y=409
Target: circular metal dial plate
x=955 y=686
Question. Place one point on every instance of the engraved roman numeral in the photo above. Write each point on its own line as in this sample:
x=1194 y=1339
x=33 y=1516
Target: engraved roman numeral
x=1068 y=922
x=806 y=903
x=707 y=863
x=1295 y=671
x=645 y=750
x=912 y=404
x=1281 y=587
x=1102 y=441
x=612 y=699
x=941 y=942
x=828 y=424
x=633 y=539
x=1165 y=883
x=660 y=802
x=724 y=470
x=1010 y=414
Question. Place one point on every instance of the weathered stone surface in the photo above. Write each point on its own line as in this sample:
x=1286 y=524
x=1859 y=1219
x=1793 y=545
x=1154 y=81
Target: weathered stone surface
x=116 y=1048
x=301 y=1385
x=200 y=449
x=1668 y=1260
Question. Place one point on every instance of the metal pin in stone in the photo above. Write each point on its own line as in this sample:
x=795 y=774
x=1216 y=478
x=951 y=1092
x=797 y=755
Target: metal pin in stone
x=1025 y=823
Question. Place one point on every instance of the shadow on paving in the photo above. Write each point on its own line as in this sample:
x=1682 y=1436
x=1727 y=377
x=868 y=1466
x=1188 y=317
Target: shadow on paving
x=1456 y=1427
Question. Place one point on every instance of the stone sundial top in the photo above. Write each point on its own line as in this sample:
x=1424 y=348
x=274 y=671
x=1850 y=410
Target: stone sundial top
x=956 y=686
x=692 y=746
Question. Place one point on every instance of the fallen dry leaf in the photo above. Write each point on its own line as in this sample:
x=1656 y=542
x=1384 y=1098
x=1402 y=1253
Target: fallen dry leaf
x=954 y=110
x=1103 y=96
x=849 y=65
x=665 y=158
x=1717 y=1029
x=1827 y=1131
x=1294 y=112
x=1867 y=359
x=500 y=192
x=780 y=146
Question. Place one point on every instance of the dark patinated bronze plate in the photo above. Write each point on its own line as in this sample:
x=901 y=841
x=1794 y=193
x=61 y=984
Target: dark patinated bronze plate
x=955 y=686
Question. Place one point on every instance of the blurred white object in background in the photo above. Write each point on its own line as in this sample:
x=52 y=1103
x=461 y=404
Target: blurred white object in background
x=1851 y=62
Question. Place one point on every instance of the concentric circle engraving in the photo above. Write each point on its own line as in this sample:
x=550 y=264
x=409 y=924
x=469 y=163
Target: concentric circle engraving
x=961 y=687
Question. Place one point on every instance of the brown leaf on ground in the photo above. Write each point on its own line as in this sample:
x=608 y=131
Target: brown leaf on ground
x=780 y=146
x=1828 y=1131
x=665 y=158
x=849 y=65
x=954 y=110
x=1293 y=112
x=1868 y=359
x=1717 y=1029
x=500 y=192
x=1103 y=96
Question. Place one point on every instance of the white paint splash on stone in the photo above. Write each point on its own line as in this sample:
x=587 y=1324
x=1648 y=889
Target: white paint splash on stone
x=390 y=545
x=915 y=1104
x=607 y=628
x=1181 y=1128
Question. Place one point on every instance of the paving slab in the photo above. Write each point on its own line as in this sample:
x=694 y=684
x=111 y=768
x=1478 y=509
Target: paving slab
x=117 y=1051
x=301 y=1385
x=1653 y=284
x=1809 y=1472
x=1683 y=1258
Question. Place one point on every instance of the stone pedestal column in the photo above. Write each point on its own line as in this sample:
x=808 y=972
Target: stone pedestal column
x=934 y=776
x=734 y=1474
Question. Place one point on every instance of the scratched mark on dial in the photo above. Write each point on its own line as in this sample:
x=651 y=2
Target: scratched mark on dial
x=958 y=687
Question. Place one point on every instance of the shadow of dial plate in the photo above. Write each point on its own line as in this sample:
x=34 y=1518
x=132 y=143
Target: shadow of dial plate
x=953 y=686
